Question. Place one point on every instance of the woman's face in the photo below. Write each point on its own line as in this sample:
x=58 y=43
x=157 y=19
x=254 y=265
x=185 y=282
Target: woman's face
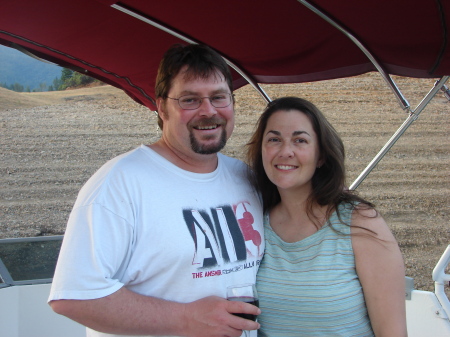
x=290 y=150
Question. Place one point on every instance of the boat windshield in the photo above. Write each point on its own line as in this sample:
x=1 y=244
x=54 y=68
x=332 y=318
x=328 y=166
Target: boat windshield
x=28 y=260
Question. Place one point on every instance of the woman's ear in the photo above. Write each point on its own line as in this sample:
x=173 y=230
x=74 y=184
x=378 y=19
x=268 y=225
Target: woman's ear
x=320 y=163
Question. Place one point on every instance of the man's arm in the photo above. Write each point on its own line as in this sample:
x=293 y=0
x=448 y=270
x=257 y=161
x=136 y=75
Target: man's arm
x=125 y=312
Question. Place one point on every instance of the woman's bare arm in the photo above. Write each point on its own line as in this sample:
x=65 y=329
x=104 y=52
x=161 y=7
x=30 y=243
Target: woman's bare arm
x=380 y=267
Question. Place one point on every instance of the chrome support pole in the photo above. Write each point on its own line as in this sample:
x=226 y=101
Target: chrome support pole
x=401 y=99
x=446 y=91
x=188 y=40
x=440 y=278
x=411 y=118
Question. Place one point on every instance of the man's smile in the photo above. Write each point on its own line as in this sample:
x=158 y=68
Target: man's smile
x=206 y=127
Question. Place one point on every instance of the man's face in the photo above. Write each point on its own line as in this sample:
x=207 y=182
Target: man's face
x=204 y=130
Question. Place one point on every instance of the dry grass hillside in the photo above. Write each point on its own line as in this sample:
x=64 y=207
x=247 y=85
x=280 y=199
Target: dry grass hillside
x=16 y=100
x=53 y=142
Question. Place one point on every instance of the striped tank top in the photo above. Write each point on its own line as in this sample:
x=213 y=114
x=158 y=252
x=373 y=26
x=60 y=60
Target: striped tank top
x=310 y=287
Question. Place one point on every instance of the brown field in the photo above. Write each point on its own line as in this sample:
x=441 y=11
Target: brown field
x=53 y=142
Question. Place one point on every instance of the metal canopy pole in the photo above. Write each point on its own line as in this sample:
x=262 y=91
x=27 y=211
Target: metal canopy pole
x=411 y=118
x=401 y=99
x=413 y=115
x=188 y=40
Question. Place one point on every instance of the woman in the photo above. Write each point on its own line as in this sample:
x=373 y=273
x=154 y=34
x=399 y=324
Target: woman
x=331 y=266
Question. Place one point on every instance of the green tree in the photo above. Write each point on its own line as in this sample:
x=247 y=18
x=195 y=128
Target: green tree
x=75 y=80
x=17 y=87
x=57 y=82
x=43 y=86
x=66 y=74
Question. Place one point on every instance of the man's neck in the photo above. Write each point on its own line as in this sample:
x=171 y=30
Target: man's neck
x=197 y=163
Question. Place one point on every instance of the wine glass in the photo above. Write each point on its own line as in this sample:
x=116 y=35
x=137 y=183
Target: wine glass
x=244 y=293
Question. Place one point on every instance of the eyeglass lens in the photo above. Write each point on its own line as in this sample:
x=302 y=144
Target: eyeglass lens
x=194 y=101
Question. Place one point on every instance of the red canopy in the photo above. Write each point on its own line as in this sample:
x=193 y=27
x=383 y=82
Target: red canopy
x=273 y=41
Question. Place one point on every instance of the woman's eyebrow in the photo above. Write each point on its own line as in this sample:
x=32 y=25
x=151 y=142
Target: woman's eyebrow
x=278 y=133
x=296 y=133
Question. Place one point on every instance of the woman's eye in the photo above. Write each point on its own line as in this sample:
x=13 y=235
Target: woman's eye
x=273 y=140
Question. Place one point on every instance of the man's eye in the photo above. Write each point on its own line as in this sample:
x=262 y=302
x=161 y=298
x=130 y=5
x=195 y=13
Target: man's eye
x=189 y=99
x=218 y=98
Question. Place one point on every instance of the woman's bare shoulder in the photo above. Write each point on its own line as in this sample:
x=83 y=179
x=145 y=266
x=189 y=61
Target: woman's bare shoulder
x=367 y=220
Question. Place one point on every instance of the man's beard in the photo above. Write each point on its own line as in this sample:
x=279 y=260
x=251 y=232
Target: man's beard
x=208 y=149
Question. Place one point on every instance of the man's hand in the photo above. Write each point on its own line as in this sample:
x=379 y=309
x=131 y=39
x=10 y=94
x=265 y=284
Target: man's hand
x=213 y=317
x=127 y=313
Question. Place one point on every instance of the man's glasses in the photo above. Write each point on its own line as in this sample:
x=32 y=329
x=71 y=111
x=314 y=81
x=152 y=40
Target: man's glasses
x=192 y=102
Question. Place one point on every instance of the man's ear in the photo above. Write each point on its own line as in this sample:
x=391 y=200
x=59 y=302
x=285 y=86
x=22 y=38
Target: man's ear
x=159 y=104
x=161 y=108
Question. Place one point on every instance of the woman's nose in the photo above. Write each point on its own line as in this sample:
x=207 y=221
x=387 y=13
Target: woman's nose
x=286 y=150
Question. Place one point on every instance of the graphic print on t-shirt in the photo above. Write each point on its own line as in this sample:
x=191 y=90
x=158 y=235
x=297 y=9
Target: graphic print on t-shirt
x=222 y=235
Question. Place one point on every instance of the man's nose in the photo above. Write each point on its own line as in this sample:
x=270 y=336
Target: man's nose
x=206 y=108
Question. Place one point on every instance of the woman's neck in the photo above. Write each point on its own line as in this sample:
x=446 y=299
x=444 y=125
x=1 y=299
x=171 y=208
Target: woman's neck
x=295 y=218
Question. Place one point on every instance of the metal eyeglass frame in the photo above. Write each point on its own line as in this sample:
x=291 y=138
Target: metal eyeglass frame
x=201 y=101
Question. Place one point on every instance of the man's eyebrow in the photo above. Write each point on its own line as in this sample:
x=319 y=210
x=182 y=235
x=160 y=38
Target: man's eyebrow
x=187 y=92
x=217 y=91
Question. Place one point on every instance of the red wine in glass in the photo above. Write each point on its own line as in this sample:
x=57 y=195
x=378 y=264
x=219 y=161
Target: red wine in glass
x=246 y=299
x=244 y=293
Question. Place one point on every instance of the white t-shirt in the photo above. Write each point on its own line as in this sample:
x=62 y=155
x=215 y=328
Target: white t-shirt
x=144 y=223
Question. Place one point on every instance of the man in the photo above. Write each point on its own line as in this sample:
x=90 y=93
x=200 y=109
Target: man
x=157 y=234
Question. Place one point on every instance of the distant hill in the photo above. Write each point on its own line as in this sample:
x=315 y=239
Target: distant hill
x=18 y=100
x=15 y=100
x=16 y=67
